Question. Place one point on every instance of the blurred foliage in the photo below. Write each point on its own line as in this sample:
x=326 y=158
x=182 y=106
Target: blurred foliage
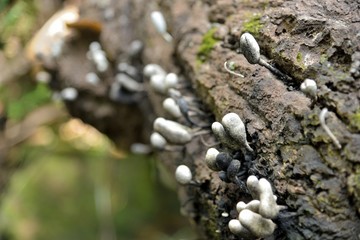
x=17 y=20
x=26 y=98
x=55 y=194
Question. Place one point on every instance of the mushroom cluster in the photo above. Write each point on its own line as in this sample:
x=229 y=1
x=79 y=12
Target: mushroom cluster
x=255 y=217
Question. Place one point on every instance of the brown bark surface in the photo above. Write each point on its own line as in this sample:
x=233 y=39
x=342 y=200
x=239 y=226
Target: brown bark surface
x=319 y=184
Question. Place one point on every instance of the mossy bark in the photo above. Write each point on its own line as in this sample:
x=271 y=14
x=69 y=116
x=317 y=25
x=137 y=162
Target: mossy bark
x=317 y=182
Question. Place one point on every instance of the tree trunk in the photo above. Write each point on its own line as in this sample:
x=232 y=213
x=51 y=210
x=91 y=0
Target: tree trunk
x=317 y=182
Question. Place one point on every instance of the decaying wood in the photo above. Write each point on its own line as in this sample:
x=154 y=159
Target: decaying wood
x=319 y=184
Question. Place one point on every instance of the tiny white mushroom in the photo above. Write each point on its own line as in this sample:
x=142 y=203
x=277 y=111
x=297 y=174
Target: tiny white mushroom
x=322 y=117
x=256 y=224
x=92 y=78
x=183 y=174
x=127 y=68
x=173 y=132
x=225 y=214
x=236 y=129
x=171 y=80
x=251 y=50
x=94 y=46
x=308 y=86
x=159 y=22
x=153 y=69
x=69 y=93
x=136 y=47
x=252 y=184
x=236 y=228
x=219 y=132
x=210 y=159
x=157 y=141
x=157 y=82
x=253 y=205
x=129 y=83
x=268 y=207
x=171 y=107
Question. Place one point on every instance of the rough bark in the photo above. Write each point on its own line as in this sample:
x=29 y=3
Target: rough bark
x=319 y=184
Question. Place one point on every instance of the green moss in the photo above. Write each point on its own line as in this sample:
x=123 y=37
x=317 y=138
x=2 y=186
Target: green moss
x=206 y=46
x=253 y=25
x=355 y=120
x=299 y=57
x=323 y=58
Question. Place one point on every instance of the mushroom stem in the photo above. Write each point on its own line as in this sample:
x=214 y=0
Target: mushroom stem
x=274 y=70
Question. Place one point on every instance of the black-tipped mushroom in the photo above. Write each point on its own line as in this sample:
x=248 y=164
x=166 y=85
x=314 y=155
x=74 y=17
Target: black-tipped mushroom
x=251 y=50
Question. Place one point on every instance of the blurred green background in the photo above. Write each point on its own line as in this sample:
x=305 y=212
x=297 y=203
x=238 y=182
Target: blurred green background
x=60 y=178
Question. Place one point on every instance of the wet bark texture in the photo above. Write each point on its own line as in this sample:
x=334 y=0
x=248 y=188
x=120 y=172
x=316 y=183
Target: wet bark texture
x=319 y=184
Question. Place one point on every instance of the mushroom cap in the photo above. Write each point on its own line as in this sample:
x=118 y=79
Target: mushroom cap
x=183 y=174
x=171 y=107
x=210 y=159
x=158 y=20
x=250 y=48
x=157 y=141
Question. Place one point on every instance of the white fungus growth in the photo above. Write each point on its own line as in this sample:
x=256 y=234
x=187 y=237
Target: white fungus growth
x=225 y=214
x=322 y=117
x=236 y=129
x=309 y=87
x=136 y=47
x=256 y=224
x=43 y=77
x=183 y=174
x=69 y=93
x=268 y=207
x=251 y=50
x=171 y=107
x=98 y=56
x=159 y=22
x=173 y=132
x=153 y=69
x=252 y=183
x=236 y=228
x=219 y=132
x=253 y=205
x=171 y=80
x=157 y=141
x=129 y=83
x=157 y=82
x=92 y=78
x=210 y=159
x=128 y=69
x=94 y=46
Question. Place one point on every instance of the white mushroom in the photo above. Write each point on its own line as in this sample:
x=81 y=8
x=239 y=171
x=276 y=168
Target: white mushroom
x=236 y=228
x=210 y=159
x=309 y=87
x=159 y=22
x=183 y=174
x=256 y=224
x=171 y=107
x=69 y=93
x=157 y=141
x=173 y=132
x=236 y=129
